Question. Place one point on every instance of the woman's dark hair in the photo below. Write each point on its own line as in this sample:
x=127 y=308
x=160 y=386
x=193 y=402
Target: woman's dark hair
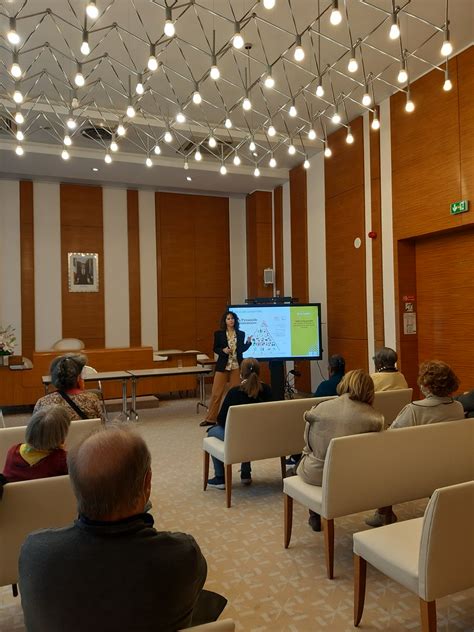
x=438 y=377
x=250 y=370
x=385 y=358
x=66 y=370
x=222 y=324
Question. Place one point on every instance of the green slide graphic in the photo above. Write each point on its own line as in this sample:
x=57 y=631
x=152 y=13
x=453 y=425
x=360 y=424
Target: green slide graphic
x=304 y=331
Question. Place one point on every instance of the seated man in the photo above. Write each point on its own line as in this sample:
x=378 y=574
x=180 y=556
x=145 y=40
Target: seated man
x=336 y=367
x=111 y=570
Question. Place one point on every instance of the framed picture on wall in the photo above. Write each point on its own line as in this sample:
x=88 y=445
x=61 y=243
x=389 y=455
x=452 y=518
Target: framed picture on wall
x=83 y=271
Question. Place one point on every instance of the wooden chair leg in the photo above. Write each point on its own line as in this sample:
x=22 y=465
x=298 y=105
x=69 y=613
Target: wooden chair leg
x=328 y=528
x=228 y=484
x=428 y=615
x=283 y=466
x=205 y=470
x=288 y=511
x=15 y=590
x=360 y=573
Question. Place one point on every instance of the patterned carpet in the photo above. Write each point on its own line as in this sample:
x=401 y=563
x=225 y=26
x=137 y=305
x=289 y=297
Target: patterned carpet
x=268 y=588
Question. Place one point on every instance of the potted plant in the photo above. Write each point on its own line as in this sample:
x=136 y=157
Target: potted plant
x=7 y=343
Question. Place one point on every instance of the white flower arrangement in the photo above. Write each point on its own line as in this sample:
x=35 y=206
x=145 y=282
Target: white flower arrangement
x=7 y=340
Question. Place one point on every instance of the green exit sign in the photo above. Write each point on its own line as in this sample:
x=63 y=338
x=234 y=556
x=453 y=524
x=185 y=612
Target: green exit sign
x=459 y=207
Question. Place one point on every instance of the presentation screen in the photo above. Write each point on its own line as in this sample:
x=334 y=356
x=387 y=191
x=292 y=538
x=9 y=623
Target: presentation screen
x=281 y=332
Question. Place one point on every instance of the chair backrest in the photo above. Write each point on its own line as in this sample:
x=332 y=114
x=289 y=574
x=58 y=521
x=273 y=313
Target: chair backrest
x=28 y=506
x=225 y=625
x=78 y=430
x=68 y=344
x=394 y=466
x=446 y=562
x=390 y=403
x=266 y=430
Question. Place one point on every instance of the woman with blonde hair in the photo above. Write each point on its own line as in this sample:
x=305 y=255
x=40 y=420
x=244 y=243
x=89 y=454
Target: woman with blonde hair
x=250 y=391
x=349 y=414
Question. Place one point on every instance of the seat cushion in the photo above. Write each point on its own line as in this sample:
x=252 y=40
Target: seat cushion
x=394 y=550
x=310 y=496
x=214 y=446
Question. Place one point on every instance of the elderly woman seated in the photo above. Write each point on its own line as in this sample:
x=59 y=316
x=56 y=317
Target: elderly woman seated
x=66 y=377
x=387 y=377
x=351 y=413
x=42 y=455
x=437 y=382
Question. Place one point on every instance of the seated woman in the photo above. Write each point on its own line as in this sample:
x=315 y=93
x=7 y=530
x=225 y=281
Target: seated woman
x=42 y=455
x=349 y=414
x=66 y=376
x=437 y=382
x=387 y=377
x=250 y=391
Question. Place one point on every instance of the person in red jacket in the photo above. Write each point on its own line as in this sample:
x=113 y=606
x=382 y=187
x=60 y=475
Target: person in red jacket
x=42 y=455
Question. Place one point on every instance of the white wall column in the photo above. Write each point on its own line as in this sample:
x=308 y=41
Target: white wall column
x=238 y=249
x=316 y=220
x=48 y=296
x=387 y=226
x=10 y=258
x=148 y=272
x=116 y=277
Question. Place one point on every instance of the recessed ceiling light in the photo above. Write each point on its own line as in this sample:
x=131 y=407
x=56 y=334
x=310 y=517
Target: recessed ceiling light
x=188 y=178
x=95 y=169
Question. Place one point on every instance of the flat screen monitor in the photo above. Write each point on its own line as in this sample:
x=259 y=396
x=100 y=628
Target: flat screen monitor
x=282 y=332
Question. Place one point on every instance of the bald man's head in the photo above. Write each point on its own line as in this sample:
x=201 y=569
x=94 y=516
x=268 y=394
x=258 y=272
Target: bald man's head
x=110 y=474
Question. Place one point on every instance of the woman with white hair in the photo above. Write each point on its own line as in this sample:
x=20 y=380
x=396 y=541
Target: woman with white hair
x=42 y=454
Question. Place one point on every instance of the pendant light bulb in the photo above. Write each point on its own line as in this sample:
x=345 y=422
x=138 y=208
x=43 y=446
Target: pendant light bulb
x=15 y=68
x=180 y=117
x=246 y=104
x=366 y=98
x=402 y=76
x=108 y=158
x=269 y=80
x=409 y=105
x=121 y=131
x=237 y=39
x=272 y=162
x=353 y=64
x=92 y=10
x=20 y=136
x=271 y=131
x=256 y=172
x=292 y=111
x=215 y=72
x=19 y=150
x=312 y=134
x=375 y=122
x=197 y=99
x=186 y=164
x=394 y=28
x=319 y=88
x=327 y=150
x=223 y=169
x=157 y=150
x=349 y=136
x=336 y=117
x=336 y=16
x=269 y=4
x=79 y=78
x=299 y=50
x=228 y=123
x=71 y=122
x=306 y=164
x=149 y=162
x=168 y=136
x=131 y=112
x=252 y=145
x=67 y=140
x=65 y=154
x=139 y=88
x=448 y=84
x=169 y=28
x=447 y=47
x=212 y=142
x=113 y=145
x=85 y=48
x=197 y=155
x=19 y=118
x=18 y=96
x=12 y=34
x=236 y=160
x=291 y=149
x=152 y=61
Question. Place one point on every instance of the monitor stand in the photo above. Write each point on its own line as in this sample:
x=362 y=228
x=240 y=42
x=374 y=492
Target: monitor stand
x=277 y=379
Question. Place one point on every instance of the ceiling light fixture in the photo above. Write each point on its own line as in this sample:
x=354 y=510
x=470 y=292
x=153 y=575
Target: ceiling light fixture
x=131 y=112
x=169 y=29
x=394 y=28
x=353 y=65
x=65 y=154
x=447 y=47
x=402 y=76
x=95 y=169
x=336 y=117
x=299 y=50
x=139 y=88
x=252 y=145
x=336 y=16
x=237 y=39
x=268 y=4
x=271 y=130
x=168 y=137
x=293 y=111
x=291 y=148
x=197 y=98
x=157 y=150
x=228 y=122
x=349 y=136
x=319 y=88
x=256 y=172
x=215 y=72
x=71 y=122
x=12 y=34
x=366 y=98
x=272 y=162
x=149 y=162
x=306 y=163
x=312 y=134
x=188 y=178
x=448 y=84
x=375 y=120
x=269 y=80
x=92 y=10
x=236 y=160
x=121 y=130
x=67 y=140
x=409 y=105
x=19 y=118
x=223 y=169
x=20 y=136
x=247 y=104
x=327 y=150
x=212 y=142
x=180 y=117
x=18 y=95
x=198 y=155
x=113 y=144
x=85 y=48
x=19 y=150
x=186 y=164
x=152 y=61
x=15 y=69
x=79 y=77
x=108 y=158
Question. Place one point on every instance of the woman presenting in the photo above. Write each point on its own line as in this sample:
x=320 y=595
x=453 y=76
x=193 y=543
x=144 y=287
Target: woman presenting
x=229 y=345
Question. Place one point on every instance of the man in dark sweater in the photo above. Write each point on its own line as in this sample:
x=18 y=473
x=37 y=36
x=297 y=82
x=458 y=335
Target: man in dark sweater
x=337 y=367
x=111 y=570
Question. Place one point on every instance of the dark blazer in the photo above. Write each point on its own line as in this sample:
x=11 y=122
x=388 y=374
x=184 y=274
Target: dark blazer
x=220 y=343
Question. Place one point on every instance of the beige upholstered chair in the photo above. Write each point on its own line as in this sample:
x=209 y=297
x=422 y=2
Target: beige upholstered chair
x=78 y=430
x=432 y=556
x=28 y=506
x=89 y=371
x=226 y=625
x=68 y=344
x=390 y=403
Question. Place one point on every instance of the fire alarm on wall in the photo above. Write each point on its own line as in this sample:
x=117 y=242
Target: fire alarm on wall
x=372 y=234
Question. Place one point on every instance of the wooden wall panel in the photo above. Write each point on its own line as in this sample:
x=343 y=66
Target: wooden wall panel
x=259 y=242
x=465 y=87
x=345 y=220
x=27 y=253
x=299 y=256
x=405 y=261
x=193 y=268
x=82 y=231
x=425 y=158
x=134 y=269
x=445 y=284
x=278 y=238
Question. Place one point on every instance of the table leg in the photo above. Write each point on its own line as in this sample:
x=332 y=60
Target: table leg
x=134 y=398
x=202 y=393
x=124 y=399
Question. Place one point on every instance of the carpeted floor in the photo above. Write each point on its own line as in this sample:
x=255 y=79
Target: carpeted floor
x=268 y=588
